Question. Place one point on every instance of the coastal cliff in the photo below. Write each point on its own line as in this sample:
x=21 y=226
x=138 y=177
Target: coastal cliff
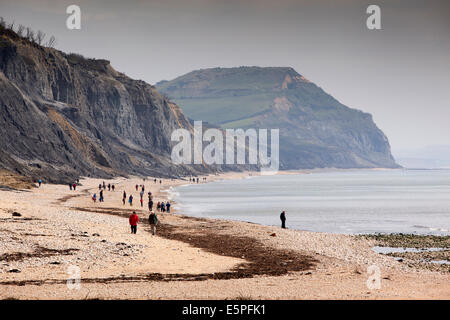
x=63 y=116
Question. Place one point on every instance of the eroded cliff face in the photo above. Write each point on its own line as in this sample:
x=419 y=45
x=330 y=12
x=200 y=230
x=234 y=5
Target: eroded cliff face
x=316 y=130
x=64 y=116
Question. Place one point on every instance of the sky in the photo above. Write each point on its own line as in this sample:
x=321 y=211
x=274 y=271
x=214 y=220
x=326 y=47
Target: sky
x=399 y=74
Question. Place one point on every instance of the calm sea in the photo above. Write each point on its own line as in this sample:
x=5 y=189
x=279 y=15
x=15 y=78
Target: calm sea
x=408 y=201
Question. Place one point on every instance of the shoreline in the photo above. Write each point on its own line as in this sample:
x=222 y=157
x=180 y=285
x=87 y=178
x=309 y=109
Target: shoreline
x=187 y=259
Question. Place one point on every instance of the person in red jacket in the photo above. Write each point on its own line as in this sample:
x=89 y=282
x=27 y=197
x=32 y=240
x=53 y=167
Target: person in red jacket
x=134 y=220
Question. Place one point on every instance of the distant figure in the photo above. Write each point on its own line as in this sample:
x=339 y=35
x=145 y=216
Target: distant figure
x=168 y=206
x=150 y=204
x=160 y=181
x=141 y=194
x=94 y=198
x=283 y=219
x=158 y=206
x=74 y=186
x=100 y=199
x=124 y=198
x=142 y=202
x=163 y=207
x=100 y=186
x=39 y=182
x=130 y=200
x=134 y=220
x=153 y=220
x=113 y=187
x=109 y=186
x=104 y=185
x=197 y=179
x=154 y=180
x=70 y=186
x=143 y=188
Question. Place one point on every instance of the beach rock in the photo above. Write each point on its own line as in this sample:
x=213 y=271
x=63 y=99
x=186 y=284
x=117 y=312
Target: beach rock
x=14 y=271
x=16 y=214
x=273 y=234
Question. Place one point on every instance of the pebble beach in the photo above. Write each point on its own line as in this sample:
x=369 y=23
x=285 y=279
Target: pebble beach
x=48 y=230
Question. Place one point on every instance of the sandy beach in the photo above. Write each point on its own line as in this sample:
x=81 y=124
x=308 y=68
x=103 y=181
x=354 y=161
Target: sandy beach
x=189 y=258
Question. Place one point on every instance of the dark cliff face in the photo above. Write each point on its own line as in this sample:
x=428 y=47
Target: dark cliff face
x=316 y=131
x=64 y=116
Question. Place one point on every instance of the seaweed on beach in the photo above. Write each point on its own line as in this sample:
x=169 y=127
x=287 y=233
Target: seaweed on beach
x=260 y=260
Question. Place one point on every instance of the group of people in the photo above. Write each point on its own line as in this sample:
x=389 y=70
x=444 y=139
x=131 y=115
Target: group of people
x=194 y=179
x=101 y=188
x=152 y=220
x=73 y=185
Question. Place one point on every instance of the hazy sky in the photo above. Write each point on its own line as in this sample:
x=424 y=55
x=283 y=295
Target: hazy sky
x=399 y=74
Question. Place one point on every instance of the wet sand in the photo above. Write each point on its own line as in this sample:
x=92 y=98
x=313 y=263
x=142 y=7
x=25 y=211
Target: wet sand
x=189 y=258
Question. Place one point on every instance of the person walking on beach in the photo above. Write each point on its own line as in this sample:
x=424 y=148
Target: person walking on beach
x=100 y=199
x=134 y=220
x=158 y=206
x=150 y=204
x=74 y=186
x=109 y=186
x=153 y=220
x=39 y=182
x=130 y=200
x=124 y=198
x=137 y=187
x=283 y=219
x=70 y=186
x=94 y=198
x=168 y=206
x=142 y=202
x=112 y=187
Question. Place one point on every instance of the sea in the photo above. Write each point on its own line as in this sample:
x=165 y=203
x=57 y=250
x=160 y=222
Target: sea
x=346 y=201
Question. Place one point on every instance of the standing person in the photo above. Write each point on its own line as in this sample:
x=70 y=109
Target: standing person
x=143 y=188
x=153 y=220
x=142 y=202
x=141 y=194
x=124 y=198
x=94 y=198
x=39 y=182
x=130 y=200
x=109 y=186
x=101 y=196
x=283 y=219
x=160 y=181
x=104 y=185
x=197 y=179
x=137 y=187
x=163 y=207
x=112 y=187
x=70 y=186
x=150 y=204
x=154 y=180
x=74 y=186
x=158 y=206
x=134 y=220
x=168 y=206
